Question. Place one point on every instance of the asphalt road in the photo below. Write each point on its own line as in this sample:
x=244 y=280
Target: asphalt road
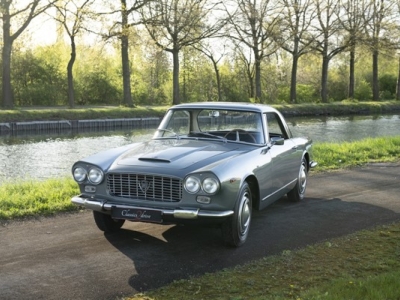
x=67 y=257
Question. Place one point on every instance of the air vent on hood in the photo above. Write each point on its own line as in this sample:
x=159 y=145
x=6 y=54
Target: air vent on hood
x=152 y=159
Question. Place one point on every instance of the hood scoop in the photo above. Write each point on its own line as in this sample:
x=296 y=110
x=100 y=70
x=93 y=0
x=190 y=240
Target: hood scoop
x=154 y=159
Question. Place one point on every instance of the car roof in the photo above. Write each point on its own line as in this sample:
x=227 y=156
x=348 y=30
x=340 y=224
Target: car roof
x=226 y=105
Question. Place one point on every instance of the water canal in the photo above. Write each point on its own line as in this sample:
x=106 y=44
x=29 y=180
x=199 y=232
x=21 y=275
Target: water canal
x=51 y=154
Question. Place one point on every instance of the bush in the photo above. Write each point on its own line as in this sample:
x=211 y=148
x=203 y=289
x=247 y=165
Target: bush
x=95 y=88
x=305 y=93
x=363 y=90
x=387 y=86
x=37 y=81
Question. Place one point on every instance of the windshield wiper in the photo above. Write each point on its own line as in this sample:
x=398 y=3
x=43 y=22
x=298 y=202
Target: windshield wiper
x=208 y=135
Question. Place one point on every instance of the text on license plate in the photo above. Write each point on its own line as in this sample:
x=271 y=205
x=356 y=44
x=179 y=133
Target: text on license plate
x=141 y=215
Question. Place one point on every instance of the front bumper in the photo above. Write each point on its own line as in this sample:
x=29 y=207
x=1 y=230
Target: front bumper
x=103 y=206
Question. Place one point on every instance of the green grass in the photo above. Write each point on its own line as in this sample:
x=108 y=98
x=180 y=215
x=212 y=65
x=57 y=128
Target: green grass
x=364 y=265
x=332 y=156
x=32 y=198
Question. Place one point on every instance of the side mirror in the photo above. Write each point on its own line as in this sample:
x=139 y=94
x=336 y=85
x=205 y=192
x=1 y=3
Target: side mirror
x=277 y=141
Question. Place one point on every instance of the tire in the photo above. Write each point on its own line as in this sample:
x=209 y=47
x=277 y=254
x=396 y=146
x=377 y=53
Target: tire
x=107 y=224
x=299 y=190
x=236 y=228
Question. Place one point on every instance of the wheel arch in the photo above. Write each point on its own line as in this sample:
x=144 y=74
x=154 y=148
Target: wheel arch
x=255 y=190
x=306 y=155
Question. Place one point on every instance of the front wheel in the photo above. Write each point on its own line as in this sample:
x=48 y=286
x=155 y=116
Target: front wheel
x=107 y=224
x=298 y=192
x=236 y=228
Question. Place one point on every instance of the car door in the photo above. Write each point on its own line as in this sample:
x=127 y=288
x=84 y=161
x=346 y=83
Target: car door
x=284 y=157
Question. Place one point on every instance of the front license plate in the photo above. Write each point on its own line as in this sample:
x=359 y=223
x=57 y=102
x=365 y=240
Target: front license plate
x=139 y=215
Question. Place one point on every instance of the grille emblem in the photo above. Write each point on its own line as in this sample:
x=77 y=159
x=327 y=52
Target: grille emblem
x=144 y=185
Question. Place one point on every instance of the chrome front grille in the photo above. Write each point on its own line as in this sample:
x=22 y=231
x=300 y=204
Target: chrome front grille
x=145 y=187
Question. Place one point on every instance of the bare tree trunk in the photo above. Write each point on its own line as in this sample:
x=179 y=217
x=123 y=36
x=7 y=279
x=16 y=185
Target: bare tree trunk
x=126 y=73
x=324 y=79
x=250 y=78
x=218 y=78
x=375 y=79
x=398 y=83
x=258 y=78
x=8 y=101
x=351 y=73
x=293 y=79
x=175 y=79
x=71 y=92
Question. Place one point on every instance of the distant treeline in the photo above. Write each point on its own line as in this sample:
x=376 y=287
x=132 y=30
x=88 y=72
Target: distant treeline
x=168 y=51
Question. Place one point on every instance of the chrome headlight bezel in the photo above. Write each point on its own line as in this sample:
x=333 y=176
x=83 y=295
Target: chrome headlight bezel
x=202 y=184
x=192 y=184
x=79 y=174
x=210 y=185
x=95 y=175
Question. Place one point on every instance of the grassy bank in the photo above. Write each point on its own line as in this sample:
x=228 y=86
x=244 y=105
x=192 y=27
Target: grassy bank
x=86 y=113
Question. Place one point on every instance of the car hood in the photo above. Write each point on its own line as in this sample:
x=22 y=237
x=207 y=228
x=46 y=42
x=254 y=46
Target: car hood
x=175 y=154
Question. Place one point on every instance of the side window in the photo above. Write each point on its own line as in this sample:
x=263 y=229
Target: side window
x=275 y=126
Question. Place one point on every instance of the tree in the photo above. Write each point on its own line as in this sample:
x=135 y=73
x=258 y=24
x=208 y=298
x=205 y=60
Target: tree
x=174 y=24
x=247 y=67
x=254 y=23
x=215 y=58
x=379 y=23
x=326 y=38
x=353 y=20
x=296 y=20
x=71 y=14
x=22 y=14
x=122 y=30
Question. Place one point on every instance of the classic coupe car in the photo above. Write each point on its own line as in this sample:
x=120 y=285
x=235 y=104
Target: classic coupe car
x=206 y=163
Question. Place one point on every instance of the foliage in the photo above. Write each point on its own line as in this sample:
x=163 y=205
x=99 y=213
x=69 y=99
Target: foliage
x=305 y=93
x=363 y=90
x=387 y=85
x=37 y=79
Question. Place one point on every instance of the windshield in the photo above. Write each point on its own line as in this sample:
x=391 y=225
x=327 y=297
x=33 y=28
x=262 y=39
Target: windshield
x=230 y=125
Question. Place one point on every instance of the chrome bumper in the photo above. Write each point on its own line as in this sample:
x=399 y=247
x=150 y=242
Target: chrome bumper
x=103 y=206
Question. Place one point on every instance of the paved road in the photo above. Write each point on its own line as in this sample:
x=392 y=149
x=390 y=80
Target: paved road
x=66 y=257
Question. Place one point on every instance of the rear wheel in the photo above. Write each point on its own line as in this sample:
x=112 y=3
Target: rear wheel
x=107 y=224
x=298 y=192
x=236 y=228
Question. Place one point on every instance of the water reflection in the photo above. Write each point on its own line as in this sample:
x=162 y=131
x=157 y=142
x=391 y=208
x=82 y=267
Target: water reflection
x=339 y=129
x=52 y=154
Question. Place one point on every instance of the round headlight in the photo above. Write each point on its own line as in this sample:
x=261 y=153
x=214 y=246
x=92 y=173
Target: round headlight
x=79 y=174
x=192 y=184
x=95 y=175
x=210 y=185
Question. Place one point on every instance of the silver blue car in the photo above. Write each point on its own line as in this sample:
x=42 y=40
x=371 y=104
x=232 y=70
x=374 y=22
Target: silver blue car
x=210 y=162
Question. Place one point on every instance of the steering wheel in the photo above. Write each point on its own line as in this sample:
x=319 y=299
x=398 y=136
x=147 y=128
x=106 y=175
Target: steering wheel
x=242 y=131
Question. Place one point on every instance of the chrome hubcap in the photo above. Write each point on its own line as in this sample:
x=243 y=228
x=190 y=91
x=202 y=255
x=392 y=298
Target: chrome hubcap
x=302 y=179
x=244 y=215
